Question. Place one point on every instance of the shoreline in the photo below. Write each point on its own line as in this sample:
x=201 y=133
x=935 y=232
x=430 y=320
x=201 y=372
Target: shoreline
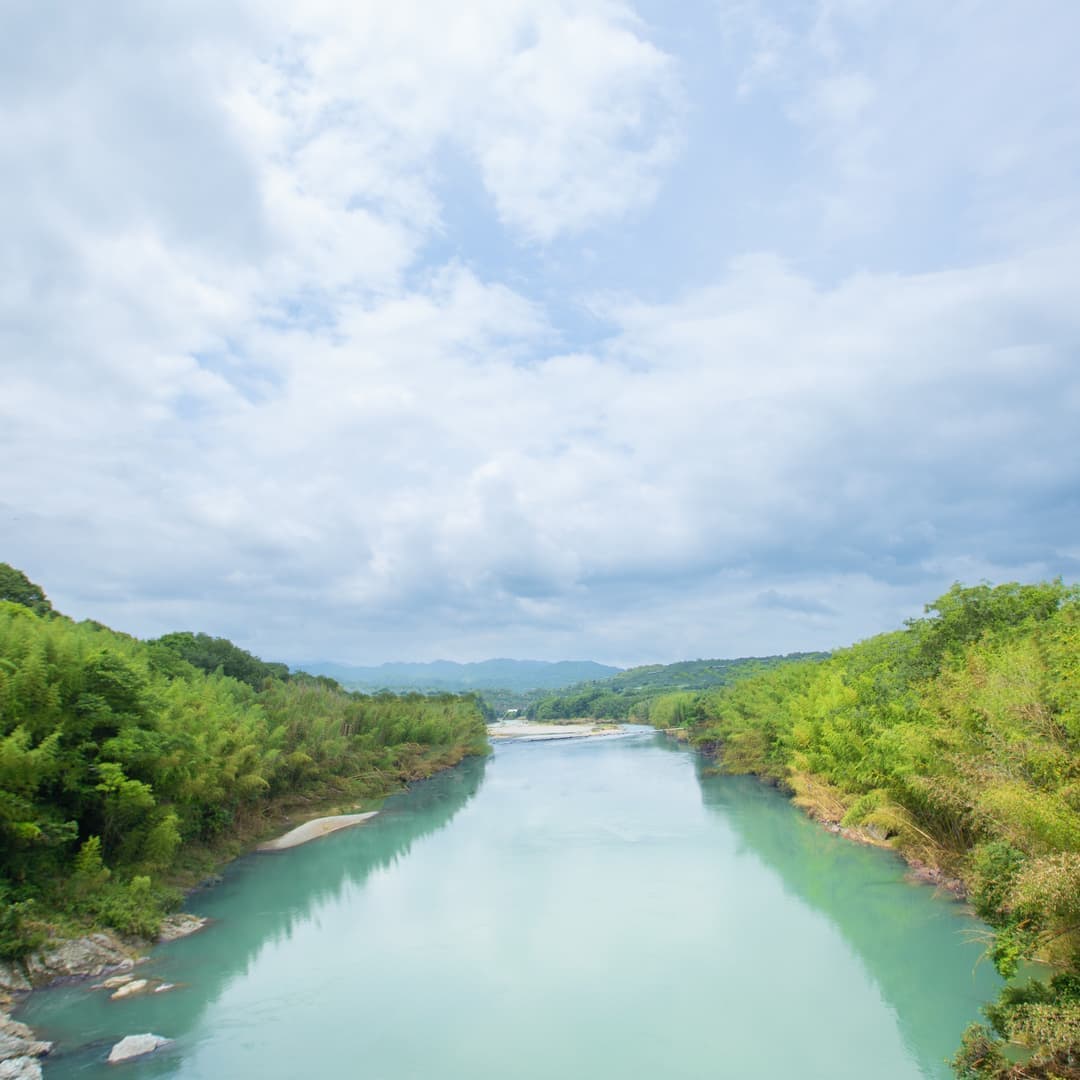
x=918 y=870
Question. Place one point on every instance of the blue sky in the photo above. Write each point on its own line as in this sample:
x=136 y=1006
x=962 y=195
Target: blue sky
x=509 y=327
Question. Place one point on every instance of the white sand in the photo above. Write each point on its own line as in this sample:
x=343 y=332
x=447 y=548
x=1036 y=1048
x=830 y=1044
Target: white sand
x=533 y=731
x=312 y=830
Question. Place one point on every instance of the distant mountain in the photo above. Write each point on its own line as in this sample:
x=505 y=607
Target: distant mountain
x=518 y=675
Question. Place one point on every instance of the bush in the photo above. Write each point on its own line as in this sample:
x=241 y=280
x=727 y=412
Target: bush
x=18 y=937
x=135 y=908
x=979 y=1055
x=995 y=867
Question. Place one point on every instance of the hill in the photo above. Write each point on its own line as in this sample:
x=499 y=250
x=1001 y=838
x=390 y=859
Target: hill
x=626 y=695
x=447 y=675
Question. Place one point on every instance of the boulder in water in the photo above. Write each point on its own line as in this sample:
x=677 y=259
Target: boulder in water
x=133 y=1046
x=136 y=986
x=17 y=1041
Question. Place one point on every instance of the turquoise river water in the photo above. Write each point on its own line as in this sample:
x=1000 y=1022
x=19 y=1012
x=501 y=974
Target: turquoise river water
x=585 y=909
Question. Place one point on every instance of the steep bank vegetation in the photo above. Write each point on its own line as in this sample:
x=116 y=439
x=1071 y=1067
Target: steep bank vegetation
x=958 y=740
x=124 y=763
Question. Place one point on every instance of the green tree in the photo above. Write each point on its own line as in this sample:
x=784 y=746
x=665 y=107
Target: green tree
x=18 y=588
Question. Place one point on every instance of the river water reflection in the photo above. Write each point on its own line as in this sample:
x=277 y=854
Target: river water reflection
x=593 y=909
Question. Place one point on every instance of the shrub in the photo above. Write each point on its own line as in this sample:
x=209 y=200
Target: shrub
x=18 y=937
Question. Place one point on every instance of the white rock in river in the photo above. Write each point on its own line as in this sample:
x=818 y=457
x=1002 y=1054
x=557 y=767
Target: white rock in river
x=133 y=1046
x=137 y=986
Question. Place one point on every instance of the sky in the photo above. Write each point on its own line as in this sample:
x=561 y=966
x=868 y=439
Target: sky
x=633 y=332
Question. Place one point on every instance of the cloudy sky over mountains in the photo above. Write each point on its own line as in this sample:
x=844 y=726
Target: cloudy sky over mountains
x=368 y=331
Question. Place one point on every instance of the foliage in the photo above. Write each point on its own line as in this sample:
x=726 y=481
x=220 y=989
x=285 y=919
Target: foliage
x=958 y=738
x=979 y=1055
x=17 y=588
x=212 y=654
x=18 y=935
x=119 y=758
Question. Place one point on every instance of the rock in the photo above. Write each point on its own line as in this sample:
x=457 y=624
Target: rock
x=113 y=982
x=164 y=988
x=95 y=955
x=12 y=1046
x=178 y=926
x=20 y=1068
x=14 y=1027
x=136 y=986
x=19 y=1050
x=12 y=979
x=133 y=1046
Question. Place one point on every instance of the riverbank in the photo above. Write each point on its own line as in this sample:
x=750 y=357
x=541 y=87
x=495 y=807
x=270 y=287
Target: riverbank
x=816 y=801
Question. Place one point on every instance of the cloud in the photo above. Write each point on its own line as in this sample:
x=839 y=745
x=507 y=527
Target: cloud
x=253 y=388
x=800 y=605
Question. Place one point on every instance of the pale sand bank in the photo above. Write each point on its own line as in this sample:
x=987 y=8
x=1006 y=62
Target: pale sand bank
x=312 y=830
x=533 y=731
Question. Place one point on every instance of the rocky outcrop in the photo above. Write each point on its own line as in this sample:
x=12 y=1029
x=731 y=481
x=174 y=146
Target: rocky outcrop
x=20 y=1068
x=932 y=875
x=19 y=1051
x=133 y=1046
x=180 y=925
x=13 y=979
x=87 y=957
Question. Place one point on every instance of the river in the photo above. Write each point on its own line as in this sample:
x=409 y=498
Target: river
x=595 y=908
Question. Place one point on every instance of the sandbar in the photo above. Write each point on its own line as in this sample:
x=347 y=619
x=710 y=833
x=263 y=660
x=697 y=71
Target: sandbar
x=312 y=830
x=534 y=731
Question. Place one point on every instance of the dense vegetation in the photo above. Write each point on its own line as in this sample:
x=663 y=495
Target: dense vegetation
x=633 y=694
x=125 y=763
x=958 y=740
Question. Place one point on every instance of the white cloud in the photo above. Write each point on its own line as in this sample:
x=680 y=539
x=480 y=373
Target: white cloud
x=244 y=396
x=918 y=119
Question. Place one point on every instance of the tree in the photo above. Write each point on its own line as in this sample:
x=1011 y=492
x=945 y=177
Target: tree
x=17 y=587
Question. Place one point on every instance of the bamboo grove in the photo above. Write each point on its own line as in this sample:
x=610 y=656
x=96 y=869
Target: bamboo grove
x=123 y=763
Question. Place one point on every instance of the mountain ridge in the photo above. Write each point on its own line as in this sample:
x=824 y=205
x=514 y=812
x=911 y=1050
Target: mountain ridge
x=500 y=673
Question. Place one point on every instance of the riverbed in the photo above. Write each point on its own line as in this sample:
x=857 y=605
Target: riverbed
x=593 y=908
